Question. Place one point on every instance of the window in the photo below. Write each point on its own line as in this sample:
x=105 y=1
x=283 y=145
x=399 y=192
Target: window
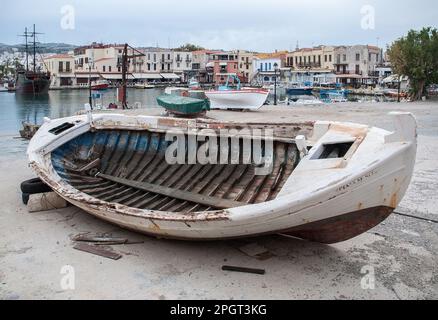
x=178 y=65
x=120 y=70
x=345 y=57
x=357 y=69
x=325 y=58
x=109 y=68
x=149 y=67
x=61 y=66
x=330 y=58
x=86 y=59
x=155 y=67
x=67 y=66
x=357 y=56
x=103 y=68
x=270 y=66
x=155 y=57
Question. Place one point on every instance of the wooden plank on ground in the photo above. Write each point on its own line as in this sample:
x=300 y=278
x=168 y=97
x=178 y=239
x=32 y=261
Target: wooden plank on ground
x=100 y=251
x=175 y=193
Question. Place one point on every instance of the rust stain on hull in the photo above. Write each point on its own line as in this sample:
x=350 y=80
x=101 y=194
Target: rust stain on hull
x=341 y=228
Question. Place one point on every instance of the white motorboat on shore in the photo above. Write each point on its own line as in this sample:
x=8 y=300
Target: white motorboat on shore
x=238 y=98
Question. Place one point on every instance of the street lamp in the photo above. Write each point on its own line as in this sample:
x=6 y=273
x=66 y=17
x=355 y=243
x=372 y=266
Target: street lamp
x=275 y=83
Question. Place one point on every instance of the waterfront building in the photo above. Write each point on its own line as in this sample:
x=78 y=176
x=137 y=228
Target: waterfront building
x=317 y=58
x=61 y=68
x=160 y=65
x=356 y=65
x=221 y=65
x=200 y=59
x=245 y=68
x=264 y=67
x=98 y=61
x=182 y=63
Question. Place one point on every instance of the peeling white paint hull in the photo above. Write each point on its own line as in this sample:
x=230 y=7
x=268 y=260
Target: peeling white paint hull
x=324 y=200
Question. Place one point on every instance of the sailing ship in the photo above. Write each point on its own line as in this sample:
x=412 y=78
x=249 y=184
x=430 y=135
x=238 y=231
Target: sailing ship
x=31 y=81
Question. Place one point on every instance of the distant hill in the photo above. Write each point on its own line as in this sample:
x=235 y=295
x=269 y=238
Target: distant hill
x=42 y=47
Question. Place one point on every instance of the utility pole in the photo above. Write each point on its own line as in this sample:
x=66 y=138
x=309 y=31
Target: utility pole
x=124 y=71
x=90 y=99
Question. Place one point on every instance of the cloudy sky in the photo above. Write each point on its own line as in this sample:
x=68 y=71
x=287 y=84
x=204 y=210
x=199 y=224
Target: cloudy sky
x=261 y=25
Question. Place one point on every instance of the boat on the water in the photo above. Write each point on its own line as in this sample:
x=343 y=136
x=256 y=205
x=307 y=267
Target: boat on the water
x=299 y=89
x=144 y=85
x=394 y=93
x=322 y=181
x=235 y=97
x=194 y=84
x=35 y=81
x=99 y=85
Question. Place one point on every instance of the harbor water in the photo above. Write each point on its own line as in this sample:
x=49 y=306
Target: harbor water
x=59 y=104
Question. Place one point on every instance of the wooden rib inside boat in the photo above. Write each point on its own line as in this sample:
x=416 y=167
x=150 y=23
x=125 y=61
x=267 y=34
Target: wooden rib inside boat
x=130 y=168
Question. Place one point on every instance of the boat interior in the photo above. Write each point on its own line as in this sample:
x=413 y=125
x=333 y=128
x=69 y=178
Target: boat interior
x=129 y=167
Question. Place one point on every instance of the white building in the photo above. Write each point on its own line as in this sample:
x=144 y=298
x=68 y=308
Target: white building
x=61 y=68
x=264 y=69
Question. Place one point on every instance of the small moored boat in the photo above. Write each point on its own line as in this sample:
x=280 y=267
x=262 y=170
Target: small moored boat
x=99 y=85
x=321 y=181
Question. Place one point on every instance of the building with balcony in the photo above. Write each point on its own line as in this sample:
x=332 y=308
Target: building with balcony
x=221 y=65
x=182 y=63
x=200 y=60
x=317 y=58
x=61 y=68
x=245 y=68
x=265 y=65
x=356 y=65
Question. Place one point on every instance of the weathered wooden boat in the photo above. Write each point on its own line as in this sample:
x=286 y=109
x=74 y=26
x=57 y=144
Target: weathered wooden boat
x=329 y=181
x=182 y=105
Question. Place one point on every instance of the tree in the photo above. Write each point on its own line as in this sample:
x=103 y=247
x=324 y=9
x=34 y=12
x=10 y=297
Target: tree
x=416 y=56
x=190 y=47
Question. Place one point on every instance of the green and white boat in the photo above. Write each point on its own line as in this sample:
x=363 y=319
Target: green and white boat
x=183 y=105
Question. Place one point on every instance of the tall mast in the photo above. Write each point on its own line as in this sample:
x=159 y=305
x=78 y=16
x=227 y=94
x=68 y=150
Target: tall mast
x=34 y=49
x=27 y=50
